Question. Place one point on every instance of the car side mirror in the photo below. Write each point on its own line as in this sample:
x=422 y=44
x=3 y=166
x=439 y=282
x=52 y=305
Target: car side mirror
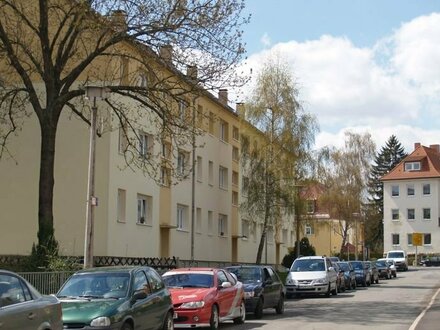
x=225 y=285
x=139 y=295
x=331 y=269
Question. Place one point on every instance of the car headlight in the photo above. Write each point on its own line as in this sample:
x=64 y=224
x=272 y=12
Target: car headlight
x=193 y=304
x=100 y=322
x=291 y=281
x=320 y=281
x=249 y=294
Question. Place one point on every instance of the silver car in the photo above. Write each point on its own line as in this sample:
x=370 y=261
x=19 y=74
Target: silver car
x=23 y=307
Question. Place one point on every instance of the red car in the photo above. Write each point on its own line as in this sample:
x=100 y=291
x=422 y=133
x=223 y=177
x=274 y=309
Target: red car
x=204 y=297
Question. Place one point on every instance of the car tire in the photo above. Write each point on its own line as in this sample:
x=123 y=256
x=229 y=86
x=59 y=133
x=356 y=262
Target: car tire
x=329 y=291
x=168 y=323
x=377 y=280
x=127 y=326
x=280 y=306
x=395 y=275
x=242 y=318
x=335 y=291
x=215 y=318
x=258 y=311
x=353 y=285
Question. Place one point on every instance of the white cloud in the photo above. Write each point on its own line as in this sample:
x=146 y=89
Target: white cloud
x=265 y=40
x=391 y=88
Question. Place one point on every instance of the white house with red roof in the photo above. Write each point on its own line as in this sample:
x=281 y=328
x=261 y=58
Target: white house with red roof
x=411 y=201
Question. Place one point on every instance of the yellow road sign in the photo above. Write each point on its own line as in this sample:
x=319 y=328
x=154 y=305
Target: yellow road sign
x=417 y=239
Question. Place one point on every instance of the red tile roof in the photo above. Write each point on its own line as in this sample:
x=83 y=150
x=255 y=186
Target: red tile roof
x=430 y=165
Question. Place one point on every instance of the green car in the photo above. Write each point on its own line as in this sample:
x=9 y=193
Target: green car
x=123 y=298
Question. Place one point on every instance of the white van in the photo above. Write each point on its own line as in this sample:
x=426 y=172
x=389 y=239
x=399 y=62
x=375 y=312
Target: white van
x=400 y=258
x=311 y=275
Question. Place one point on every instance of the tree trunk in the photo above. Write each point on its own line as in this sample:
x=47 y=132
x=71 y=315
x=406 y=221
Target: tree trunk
x=261 y=245
x=46 y=239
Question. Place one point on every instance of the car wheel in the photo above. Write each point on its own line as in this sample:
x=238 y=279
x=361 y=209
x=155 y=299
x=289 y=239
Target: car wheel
x=377 y=280
x=258 y=312
x=335 y=291
x=242 y=317
x=214 y=321
x=127 y=326
x=168 y=324
x=280 y=306
x=395 y=275
x=369 y=283
x=329 y=291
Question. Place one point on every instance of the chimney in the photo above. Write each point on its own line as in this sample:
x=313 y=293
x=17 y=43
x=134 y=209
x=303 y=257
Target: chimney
x=191 y=72
x=223 y=96
x=119 y=20
x=436 y=147
x=166 y=53
x=416 y=145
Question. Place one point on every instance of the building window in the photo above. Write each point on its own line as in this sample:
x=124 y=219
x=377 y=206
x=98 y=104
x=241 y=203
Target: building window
x=235 y=154
x=211 y=123
x=310 y=206
x=222 y=225
x=164 y=176
x=235 y=133
x=223 y=177
x=394 y=191
x=182 y=216
x=121 y=205
x=142 y=80
x=123 y=140
x=235 y=178
x=411 y=214
x=211 y=173
x=412 y=166
x=427 y=239
x=199 y=115
x=395 y=214
x=410 y=239
x=224 y=131
x=395 y=239
x=245 y=228
x=426 y=189
x=199 y=169
x=426 y=214
x=410 y=190
x=166 y=150
x=210 y=223
x=309 y=230
x=182 y=162
x=144 y=210
x=183 y=106
x=145 y=145
x=235 y=198
x=199 y=220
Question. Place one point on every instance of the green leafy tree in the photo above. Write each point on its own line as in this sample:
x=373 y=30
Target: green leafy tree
x=344 y=173
x=50 y=49
x=306 y=250
x=385 y=160
x=276 y=163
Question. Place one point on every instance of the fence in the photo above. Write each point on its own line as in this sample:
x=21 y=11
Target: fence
x=46 y=282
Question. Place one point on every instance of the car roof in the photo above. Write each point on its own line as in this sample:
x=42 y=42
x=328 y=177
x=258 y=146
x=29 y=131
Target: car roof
x=311 y=257
x=111 y=269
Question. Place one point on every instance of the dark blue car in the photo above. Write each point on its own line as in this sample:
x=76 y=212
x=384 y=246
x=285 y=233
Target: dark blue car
x=363 y=276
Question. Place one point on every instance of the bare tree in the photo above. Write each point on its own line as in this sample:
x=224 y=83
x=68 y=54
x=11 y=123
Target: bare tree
x=344 y=173
x=50 y=49
x=278 y=160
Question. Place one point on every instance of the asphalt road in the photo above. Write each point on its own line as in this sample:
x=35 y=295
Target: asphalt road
x=397 y=304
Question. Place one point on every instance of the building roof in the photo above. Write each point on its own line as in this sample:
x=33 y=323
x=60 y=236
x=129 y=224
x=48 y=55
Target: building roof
x=429 y=158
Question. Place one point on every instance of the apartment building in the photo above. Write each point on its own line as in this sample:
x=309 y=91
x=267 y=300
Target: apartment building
x=411 y=202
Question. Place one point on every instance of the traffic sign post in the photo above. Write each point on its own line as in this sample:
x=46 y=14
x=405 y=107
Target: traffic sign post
x=417 y=241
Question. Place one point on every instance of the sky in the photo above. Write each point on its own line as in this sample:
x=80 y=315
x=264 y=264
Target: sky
x=360 y=65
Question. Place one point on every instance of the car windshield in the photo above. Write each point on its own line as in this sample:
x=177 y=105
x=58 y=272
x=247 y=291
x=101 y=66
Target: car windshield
x=96 y=285
x=247 y=274
x=344 y=267
x=357 y=265
x=381 y=264
x=308 y=265
x=188 y=280
x=395 y=255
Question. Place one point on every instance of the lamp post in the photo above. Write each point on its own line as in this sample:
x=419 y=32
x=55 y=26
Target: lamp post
x=95 y=93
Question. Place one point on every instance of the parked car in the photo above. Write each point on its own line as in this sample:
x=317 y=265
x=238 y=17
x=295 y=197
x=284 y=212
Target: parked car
x=363 y=276
x=400 y=258
x=128 y=297
x=311 y=275
x=349 y=275
x=262 y=288
x=204 y=297
x=431 y=261
x=391 y=264
x=383 y=268
x=22 y=307
x=374 y=273
x=334 y=259
x=340 y=279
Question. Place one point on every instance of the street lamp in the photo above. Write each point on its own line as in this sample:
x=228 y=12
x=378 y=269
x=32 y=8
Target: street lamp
x=95 y=93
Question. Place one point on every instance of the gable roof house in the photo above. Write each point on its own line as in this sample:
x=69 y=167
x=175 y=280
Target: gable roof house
x=411 y=202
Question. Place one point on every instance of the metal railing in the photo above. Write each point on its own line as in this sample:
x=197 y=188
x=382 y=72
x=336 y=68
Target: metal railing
x=46 y=282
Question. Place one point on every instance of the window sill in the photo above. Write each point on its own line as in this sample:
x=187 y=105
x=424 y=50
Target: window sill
x=144 y=224
x=182 y=230
x=121 y=221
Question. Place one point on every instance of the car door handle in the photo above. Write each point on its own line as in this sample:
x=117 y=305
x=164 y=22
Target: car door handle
x=31 y=316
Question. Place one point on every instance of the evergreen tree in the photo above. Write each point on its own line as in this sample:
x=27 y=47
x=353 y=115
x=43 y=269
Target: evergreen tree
x=386 y=159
